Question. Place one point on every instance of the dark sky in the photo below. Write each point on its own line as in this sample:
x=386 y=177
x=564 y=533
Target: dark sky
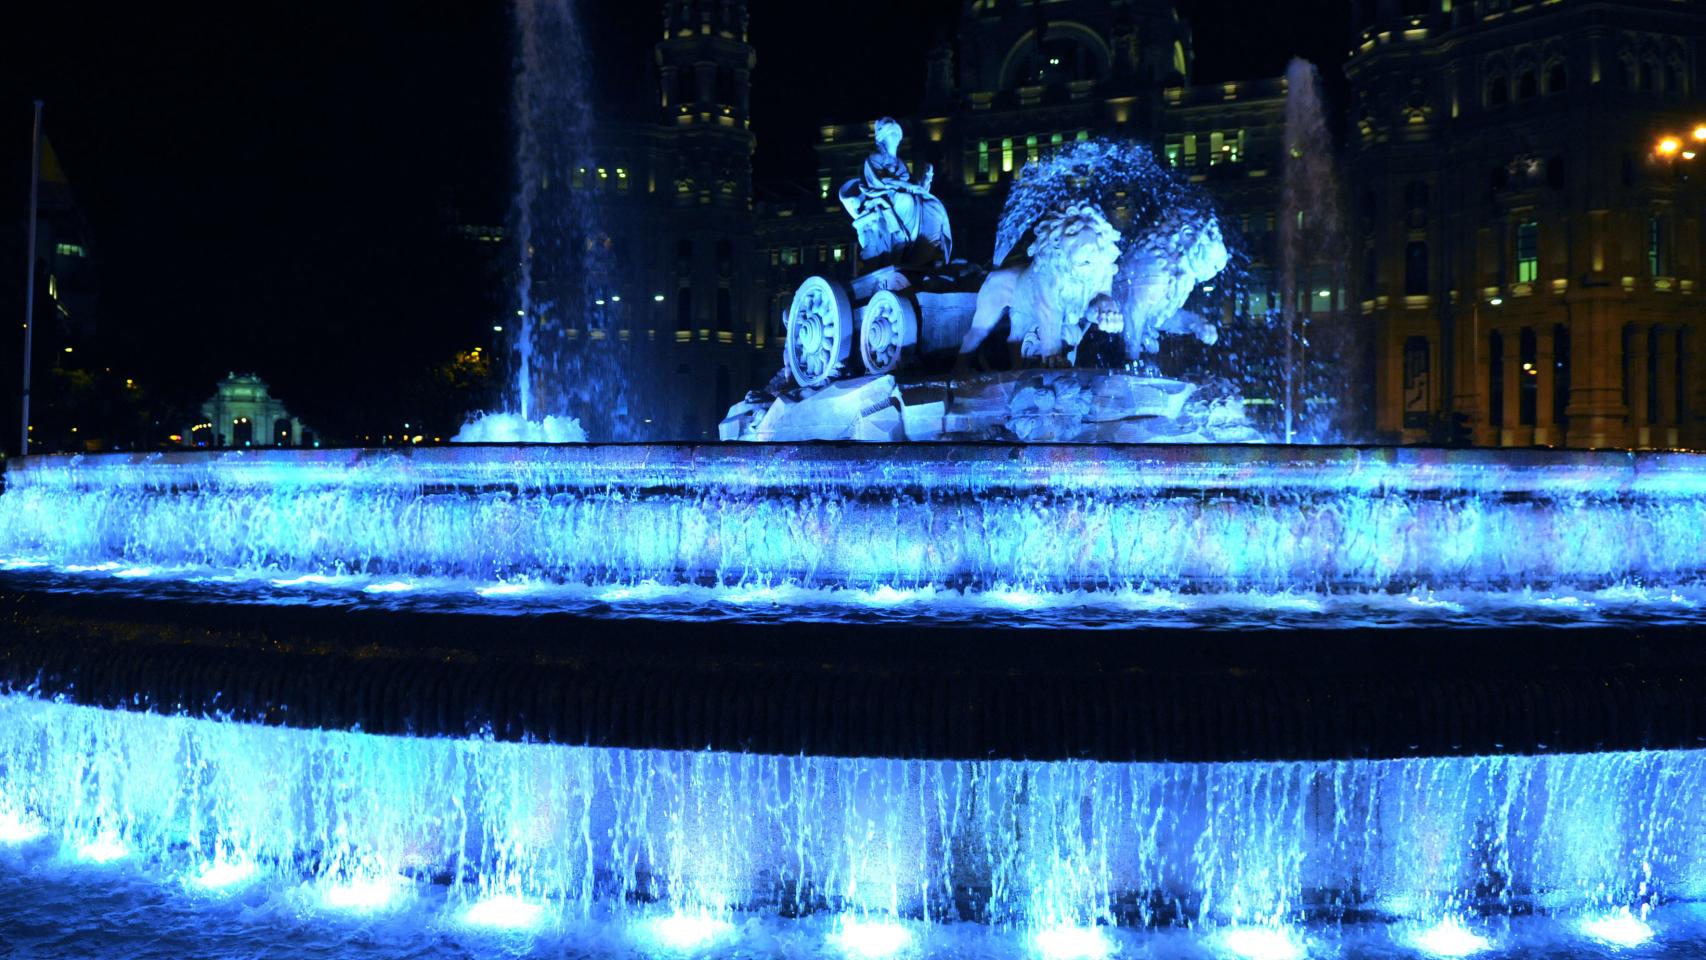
x=267 y=182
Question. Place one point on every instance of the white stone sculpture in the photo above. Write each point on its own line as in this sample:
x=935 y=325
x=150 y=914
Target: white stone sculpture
x=1051 y=301
x=1156 y=276
x=899 y=222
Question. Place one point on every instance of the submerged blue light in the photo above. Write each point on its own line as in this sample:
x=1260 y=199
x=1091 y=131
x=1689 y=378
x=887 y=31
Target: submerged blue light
x=1449 y=939
x=1262 y=943
x=504 y=911
x=1619 y=928
x=872 y=939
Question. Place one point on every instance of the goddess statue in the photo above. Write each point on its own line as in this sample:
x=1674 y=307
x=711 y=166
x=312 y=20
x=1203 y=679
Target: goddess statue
x=899 y=222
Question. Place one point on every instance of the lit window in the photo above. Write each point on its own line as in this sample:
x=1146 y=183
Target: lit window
x=823 y=188
x=839 y=253
x=983 y=157
x=70 y=250
x=1190 y=149
x=1527 y=252
x=1172 y=154
x=1007 y=155
x=1083 y=135
x=1657 y=256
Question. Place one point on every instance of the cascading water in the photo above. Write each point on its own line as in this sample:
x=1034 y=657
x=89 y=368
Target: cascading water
x=1139 y=534
x=536 y=836
x=569 y=375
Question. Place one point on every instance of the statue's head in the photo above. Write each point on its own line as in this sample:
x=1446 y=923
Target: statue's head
x=1077 y=243
x=887 y=133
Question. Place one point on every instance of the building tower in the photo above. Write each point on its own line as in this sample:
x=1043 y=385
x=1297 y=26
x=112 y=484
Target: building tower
x=704 y=169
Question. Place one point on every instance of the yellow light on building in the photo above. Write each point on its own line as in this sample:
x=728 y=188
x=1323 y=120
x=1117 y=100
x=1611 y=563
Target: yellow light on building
x=1669 y=146
x=1700 y=133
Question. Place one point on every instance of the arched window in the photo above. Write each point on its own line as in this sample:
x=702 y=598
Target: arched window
x=725 y=310
x=1415 y=268
x=1647 y=79
x=686 y=85
x=1675 y=85
x=725 y=258
x=1527 y=85
x=1416 y=204
x=726 y=94
x=1557 y=78
x=684 y=308
x=1498 y=89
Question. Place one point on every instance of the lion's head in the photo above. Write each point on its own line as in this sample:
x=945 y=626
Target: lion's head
x=1077 y=252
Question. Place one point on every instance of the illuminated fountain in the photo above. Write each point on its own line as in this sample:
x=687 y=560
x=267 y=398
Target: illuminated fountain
x=1058 y=700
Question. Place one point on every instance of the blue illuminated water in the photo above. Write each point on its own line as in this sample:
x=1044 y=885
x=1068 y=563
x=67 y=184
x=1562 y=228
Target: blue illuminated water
x=1073 y=536
x=414 y=844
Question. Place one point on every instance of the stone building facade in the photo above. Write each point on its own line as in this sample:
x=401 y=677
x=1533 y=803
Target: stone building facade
x=1527 y=253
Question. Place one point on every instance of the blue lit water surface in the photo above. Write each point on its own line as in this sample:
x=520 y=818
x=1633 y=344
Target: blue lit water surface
x=1559 y=605
x=1056 y=537
x=141 y=835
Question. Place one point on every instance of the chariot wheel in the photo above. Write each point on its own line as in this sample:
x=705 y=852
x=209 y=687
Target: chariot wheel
x=888 y=327
x=820 y=332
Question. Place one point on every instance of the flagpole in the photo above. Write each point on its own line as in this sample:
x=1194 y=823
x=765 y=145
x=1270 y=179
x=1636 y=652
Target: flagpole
x=30 y=283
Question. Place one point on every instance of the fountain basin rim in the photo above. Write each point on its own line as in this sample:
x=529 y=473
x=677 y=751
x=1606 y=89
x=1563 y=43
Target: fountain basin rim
x=947 y=467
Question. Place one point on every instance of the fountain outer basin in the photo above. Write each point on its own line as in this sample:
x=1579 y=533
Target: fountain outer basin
x=861 y=690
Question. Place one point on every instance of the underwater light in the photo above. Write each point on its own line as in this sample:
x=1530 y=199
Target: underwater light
x=223 y=874
x=507 y=589
x=1019 y=599
x=887 y=596
x=16 y=829
x=684 y=931
x=1620 y=929
x=360 y=896
x=1262 y=943
x=103 y=849
x=1072 y=943
x=1448 y=938
x=871 y=938
x=504 y=912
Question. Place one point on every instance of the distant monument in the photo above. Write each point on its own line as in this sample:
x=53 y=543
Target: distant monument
x=1114 y=244
x=243 y=413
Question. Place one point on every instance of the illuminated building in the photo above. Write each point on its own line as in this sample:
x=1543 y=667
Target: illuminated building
x=1527 y=255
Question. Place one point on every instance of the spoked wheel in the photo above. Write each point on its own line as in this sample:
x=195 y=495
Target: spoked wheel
x=888 y=327
x=820 y=332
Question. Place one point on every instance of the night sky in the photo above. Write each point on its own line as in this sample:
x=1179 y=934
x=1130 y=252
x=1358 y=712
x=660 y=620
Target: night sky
x=268 y=184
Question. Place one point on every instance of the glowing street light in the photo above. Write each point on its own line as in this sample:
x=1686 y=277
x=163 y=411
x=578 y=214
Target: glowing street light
x=1668 y=146
x=1700 y=133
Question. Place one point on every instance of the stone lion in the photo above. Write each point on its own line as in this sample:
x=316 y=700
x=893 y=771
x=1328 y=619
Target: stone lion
x=1159 y=270
x=1051 y=301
